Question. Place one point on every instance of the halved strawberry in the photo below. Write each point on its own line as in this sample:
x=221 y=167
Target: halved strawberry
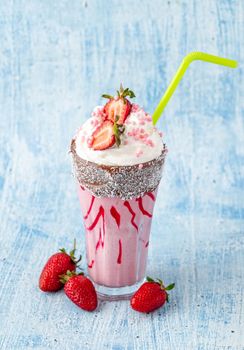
x=103 y=137
x=120 y=107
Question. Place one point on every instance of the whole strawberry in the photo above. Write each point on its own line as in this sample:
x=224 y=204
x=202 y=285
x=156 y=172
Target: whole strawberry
x=57 y=265
x=150 y=296
x=80 y=290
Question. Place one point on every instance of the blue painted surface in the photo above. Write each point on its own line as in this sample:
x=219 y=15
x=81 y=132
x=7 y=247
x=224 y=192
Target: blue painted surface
x=56 y=58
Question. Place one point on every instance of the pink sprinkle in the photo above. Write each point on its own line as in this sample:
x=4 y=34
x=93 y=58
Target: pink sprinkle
x=148 y=117
x=139 y=152
x=150 y=143
x=96 y=122
x=101 y=109
x=160 y=133
x=125 y=142
x=142 y=130
x=89 y=141
x=141 y=122
x=135 y=107
x=140 y=166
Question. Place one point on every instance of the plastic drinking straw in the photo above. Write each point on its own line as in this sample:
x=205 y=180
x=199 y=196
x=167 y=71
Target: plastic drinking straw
x=193 y=56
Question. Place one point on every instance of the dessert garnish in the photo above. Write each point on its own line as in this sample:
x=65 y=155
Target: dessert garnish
x=103 y=137
x=116 y=111
x=118 y=106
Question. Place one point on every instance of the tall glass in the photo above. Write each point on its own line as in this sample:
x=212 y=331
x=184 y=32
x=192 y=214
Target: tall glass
x=117 y=204
x=117 y=240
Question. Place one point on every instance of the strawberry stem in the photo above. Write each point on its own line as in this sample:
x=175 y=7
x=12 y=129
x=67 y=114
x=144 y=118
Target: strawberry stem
x=72 y=254
x=118 y=131
x=160 y=282
x=66 y=276
x=122 y=93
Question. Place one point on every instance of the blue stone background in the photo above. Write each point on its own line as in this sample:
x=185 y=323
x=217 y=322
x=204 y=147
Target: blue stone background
x=56 y=58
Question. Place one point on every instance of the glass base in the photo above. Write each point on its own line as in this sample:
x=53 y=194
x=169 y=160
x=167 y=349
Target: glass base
x=116 y=293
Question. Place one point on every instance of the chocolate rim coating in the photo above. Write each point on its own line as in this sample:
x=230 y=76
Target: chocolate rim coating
x=126 y=181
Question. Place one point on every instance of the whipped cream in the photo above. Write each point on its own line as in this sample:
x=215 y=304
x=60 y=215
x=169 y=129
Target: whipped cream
x=140 y=143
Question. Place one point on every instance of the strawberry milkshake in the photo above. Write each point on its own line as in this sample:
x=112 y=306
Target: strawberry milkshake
x=118 y=156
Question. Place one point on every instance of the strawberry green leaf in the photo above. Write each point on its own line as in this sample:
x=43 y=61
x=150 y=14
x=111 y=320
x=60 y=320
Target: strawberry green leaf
x=128 y=92
x=149 y=279
x=118 y=131
x=170 y=286
x=131 y=94
x=63 y=250
x=107 y=96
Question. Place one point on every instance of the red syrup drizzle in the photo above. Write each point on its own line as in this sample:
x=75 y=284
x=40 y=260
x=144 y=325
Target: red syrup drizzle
x=119 y=259
x=151 y=195
x=83 y=189
x=115 y=214
x=100 y=240
x=127 y=205
x=144 y=212
x=91 y=264
x=94 y=224
x=90 y=208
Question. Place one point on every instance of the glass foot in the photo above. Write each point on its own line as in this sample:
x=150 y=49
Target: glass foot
x=116 y=293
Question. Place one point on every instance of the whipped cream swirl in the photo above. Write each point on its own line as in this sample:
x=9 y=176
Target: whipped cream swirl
x=140 y=143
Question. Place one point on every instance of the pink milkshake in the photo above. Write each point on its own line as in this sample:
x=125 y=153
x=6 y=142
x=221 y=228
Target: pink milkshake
x=118 y=157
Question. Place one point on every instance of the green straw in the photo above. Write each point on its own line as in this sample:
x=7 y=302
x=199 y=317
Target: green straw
x=193 y=56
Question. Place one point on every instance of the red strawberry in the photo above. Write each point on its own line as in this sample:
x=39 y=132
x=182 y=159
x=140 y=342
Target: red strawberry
x=150 y=296
x=119 y=107
x=80 y=290
x=103 y=137
x=57 y=265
